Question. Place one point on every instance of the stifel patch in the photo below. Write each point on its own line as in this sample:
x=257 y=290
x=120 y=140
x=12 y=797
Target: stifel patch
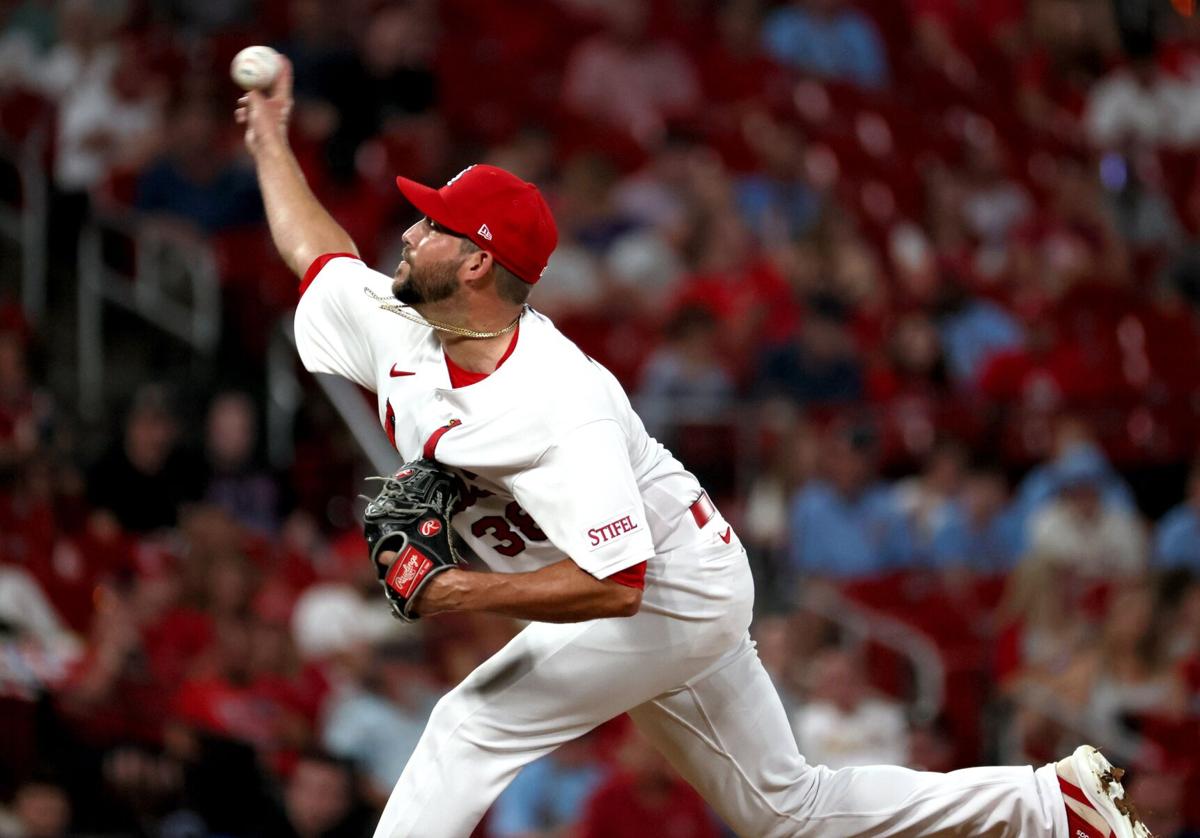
x=610 y=531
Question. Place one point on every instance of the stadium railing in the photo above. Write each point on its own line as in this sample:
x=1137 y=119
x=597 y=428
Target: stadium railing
x=168 y=280
x=24 y=219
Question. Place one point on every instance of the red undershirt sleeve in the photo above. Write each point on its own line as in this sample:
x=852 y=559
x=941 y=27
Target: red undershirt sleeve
x=631 y=577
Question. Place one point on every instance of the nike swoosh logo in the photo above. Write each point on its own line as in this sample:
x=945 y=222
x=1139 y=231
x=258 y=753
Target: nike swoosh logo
x=395 y=373
x=728 y=534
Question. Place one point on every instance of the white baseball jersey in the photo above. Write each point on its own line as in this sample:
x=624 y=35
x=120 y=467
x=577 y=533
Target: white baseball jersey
x=556 y=462
x=558 y=466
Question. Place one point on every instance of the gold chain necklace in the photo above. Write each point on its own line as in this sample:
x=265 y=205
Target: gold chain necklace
x=461 y=331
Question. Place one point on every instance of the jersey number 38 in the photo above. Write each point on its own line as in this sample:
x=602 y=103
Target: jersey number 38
x=501 y=528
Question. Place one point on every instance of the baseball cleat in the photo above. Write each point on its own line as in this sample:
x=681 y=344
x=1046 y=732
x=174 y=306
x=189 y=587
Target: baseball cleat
x=1097 y=806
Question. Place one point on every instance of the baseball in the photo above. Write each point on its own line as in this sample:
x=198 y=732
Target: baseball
x=255 y=68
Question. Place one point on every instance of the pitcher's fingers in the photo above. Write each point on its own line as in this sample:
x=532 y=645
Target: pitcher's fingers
x=281 y=88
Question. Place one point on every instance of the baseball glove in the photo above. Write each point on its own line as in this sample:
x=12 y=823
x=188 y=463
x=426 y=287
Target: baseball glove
x=411 y=515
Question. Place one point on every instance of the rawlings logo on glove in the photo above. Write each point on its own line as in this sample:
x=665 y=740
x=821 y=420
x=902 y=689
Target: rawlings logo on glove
x=408 y=570
x=411 y=516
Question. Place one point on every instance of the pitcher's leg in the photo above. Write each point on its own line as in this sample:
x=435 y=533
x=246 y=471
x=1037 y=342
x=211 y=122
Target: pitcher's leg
x=727 y=733
x=551 y=684
x=471 y=748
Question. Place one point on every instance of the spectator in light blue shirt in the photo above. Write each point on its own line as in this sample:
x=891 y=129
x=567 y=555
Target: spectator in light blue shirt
x=979 y=530
x=777 y=201
x=827 y=38
x=1077 y=453
x=376 y=723
x=549 y=795
x=974 y=331
x=849 y=524
x=1177 y=537
x=776 y=209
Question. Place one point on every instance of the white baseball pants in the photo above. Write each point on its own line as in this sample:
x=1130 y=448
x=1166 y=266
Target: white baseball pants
x=687 y=673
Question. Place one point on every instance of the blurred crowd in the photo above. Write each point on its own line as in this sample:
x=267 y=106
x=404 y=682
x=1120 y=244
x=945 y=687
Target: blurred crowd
x=911 y=286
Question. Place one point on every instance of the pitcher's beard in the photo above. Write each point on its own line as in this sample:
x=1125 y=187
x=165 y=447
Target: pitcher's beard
x=428 y=284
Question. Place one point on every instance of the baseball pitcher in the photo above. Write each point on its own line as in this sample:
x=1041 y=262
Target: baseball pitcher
x=637 y=589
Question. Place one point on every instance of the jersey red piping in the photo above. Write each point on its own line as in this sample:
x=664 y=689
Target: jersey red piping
x=430 y=449
x=315 y=268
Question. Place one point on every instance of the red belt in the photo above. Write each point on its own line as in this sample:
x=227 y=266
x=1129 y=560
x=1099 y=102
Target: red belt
x=702 y=510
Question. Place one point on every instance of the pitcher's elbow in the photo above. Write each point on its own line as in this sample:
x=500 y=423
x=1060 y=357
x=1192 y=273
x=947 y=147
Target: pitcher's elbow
x=628 y=602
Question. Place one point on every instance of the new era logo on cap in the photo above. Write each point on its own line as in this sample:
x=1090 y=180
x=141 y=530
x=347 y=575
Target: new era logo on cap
x=509 y=217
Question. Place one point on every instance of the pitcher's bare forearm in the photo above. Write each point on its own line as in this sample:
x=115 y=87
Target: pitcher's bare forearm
x=300 y=227
x=559 y=593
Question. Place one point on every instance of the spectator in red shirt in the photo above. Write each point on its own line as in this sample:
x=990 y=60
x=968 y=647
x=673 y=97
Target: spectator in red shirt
x=744 y=291
x=21 y=410
x=117 y=694
x=250 y=687
x=1046 y=373
x=626 y=80
x=646 y=800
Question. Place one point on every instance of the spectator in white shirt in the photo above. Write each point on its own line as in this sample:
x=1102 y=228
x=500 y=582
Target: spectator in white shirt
x=110 y=118
x=843 y=723
x=1082 y=530
x=1134 y=104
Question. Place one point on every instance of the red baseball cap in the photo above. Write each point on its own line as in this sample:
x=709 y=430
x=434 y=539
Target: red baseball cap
x=497 y=210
